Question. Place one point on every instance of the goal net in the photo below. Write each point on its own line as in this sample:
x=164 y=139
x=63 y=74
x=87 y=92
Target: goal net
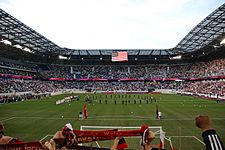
x=133 y=142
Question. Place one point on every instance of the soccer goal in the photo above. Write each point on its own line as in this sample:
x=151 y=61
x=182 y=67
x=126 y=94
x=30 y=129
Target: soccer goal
x=133 y=142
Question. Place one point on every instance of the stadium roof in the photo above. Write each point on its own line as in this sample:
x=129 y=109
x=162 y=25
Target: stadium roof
x=208 y=30
x=204 y=33
x=16 y=31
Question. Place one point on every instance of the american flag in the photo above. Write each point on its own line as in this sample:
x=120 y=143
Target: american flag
x=119 y=56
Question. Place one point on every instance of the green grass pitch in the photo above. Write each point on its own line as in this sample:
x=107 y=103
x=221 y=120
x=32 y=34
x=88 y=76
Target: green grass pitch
x=34 y=119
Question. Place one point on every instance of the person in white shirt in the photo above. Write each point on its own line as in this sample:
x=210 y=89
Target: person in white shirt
x=160 y=115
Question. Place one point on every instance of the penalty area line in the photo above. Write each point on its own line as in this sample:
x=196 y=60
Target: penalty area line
x=189 y=137
x=199 y=140
x=181 y=136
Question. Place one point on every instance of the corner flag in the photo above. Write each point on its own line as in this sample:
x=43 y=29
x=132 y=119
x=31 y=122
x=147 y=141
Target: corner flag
x=85 y=111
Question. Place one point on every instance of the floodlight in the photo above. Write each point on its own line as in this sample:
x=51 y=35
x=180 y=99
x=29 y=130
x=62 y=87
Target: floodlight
x=222 y=42
x=27 y=50
x=6 y=42
x=176 y=57
x=18 y=46
x=62 y=57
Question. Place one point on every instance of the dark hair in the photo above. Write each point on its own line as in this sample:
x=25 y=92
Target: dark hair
x=1 y=126
x=121 y=141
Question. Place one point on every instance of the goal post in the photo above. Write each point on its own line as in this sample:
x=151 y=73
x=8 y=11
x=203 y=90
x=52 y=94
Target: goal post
x=133 y=142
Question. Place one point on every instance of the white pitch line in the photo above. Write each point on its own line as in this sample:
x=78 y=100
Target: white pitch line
x=140 y=118
x=46 y=137
x=189 y=137
x=4 y=120
x=133 y=119
x=198 y=140
x=53 y=118
x=118 y=116
x=113 y=119
x=98 y=144
x=182 y=136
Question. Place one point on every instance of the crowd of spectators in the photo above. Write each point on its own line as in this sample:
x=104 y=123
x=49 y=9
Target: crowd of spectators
x=36 y=86
x=12 y=68
x=211 y=88
x=18 y=65
x=215 y=87
x=22 y=97
x=196 y=70
x=18 y=85
x=16 y=72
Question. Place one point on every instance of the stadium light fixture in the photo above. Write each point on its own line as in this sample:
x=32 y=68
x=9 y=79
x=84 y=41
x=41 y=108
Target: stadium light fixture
x=100 y=58
x=6 y=42
x=222 y=42
x=27 y=50
x=176 y=57
x=18 y=46
x=62 y=57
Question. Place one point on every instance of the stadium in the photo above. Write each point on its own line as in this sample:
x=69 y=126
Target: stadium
x=44 y=86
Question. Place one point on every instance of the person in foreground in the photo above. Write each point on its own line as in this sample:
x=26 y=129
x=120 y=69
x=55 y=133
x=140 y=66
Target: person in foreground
x=66 y=139
x=119 y=143
x=6 y=139
x=211 y=139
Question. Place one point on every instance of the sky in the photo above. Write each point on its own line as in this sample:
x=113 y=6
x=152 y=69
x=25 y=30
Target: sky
x=112 y=24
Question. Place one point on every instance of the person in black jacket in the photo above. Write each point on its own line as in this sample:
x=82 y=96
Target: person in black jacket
x=210 y=137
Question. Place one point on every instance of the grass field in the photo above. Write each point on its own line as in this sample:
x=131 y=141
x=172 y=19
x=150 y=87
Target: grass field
x=35 y=119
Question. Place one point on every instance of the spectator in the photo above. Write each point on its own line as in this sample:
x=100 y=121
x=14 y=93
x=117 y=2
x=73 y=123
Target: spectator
x=6 y=139
x=119 y=144
x=211 y=139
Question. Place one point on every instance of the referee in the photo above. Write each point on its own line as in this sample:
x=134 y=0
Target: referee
x=211 y=139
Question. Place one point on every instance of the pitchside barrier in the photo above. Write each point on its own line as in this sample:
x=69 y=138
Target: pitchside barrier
x=155 y=91
x=133 y=142
x=204 y=96
x=77 y=91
